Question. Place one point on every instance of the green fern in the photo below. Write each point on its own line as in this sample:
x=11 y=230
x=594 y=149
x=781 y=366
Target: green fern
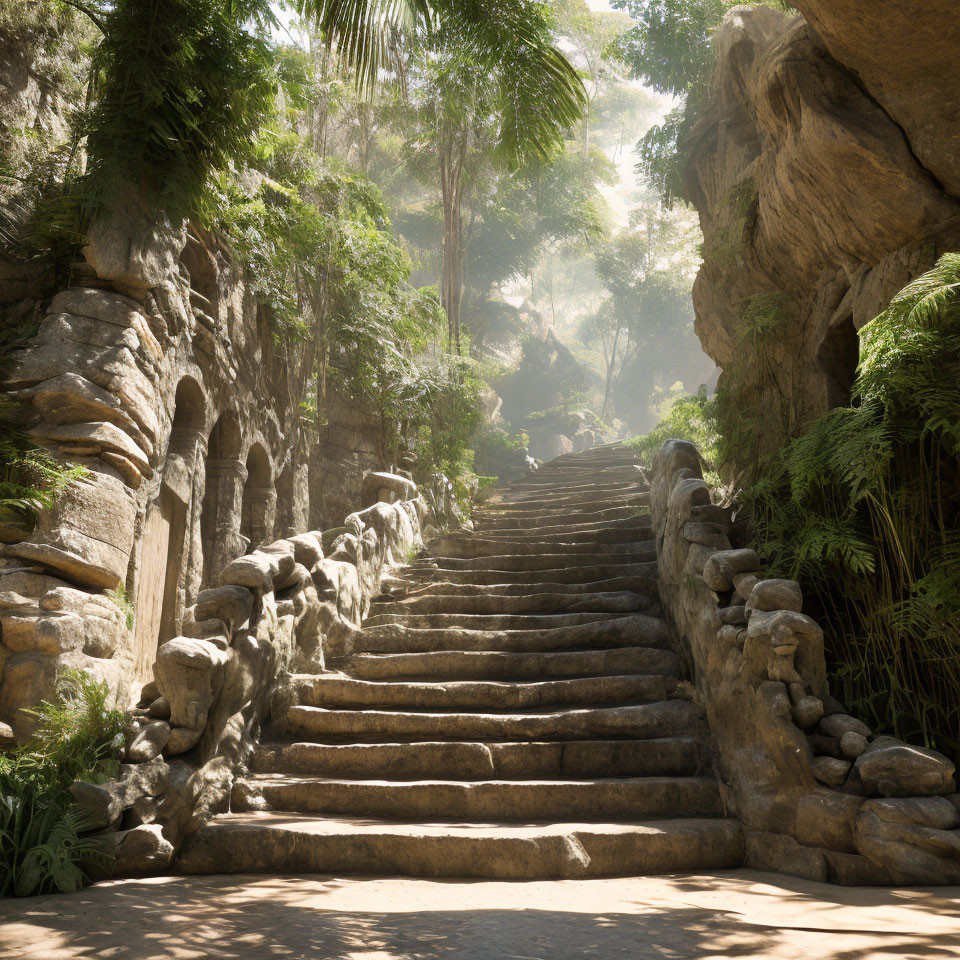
x=863 y=509
x=45 y=840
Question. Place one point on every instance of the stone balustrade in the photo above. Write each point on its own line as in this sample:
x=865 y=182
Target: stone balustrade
x=820 y=795
x=276 y=611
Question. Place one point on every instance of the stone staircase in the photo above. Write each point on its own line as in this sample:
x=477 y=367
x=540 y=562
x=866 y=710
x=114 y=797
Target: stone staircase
x=511 y=711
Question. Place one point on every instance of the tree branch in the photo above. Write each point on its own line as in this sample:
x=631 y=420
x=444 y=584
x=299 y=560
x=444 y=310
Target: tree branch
x=98 y=21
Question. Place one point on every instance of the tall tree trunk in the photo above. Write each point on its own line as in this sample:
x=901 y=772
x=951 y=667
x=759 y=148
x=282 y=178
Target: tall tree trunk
x=611 y=366
x=452 y=155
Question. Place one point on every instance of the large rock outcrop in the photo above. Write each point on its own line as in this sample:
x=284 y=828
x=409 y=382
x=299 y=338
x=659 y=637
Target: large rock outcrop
x=825 y=169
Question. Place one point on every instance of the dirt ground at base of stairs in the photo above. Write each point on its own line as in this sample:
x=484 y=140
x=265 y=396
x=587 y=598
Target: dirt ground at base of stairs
x=738 y=913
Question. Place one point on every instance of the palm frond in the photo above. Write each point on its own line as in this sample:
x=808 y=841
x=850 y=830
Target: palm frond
x=541 y=93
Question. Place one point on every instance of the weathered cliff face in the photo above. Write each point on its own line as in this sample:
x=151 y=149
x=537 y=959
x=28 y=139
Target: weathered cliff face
x=826 y=173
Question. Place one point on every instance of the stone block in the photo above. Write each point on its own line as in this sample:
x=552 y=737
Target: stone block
x=779 y=853
x=71 y=398
x=830 y=770
x=141 y=851
x=837 y=724
x=149 y=742
x=911 y=853
x=890 y=768
x=88 y=535
x=255 y=571
x=307 y=549
x=720 y=569
x=189 y=673
x=231 y=604
x=807 y=712
x=776 y=595
x=102 y=436
x=827 y=819
x=709 y=534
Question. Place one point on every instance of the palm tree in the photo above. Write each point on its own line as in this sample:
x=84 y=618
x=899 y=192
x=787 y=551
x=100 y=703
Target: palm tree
x=542 y=93
x=531 y=90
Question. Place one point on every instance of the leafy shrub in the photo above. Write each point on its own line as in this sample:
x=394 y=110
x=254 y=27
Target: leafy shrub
x=864 y=510
x=30 y=479
x=120 y=598
x=43 y=848
x=691 y=417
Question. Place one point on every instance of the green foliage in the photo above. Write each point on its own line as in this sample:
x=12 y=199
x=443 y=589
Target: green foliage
x=181 y=86
x=30 y=479
x=691 y=417
x=539 y=93
x=864 y=509
x=120 y=598
x=671 y=49
x=647 y=309
x=42 y=846
x=444 y=415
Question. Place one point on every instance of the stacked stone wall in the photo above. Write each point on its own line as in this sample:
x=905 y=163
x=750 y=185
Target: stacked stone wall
x=820 y=795
x=278 y=611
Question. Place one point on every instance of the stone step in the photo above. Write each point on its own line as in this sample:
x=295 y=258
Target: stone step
x=339 y=690
x=646 y=721
x=545 y=561
x=574 y=503
x=488 y=621
x=473 y=547
x=499 y=800
x=424 y=760
x=484 y=665
x=569 y=489
x=579 y=480
x=587 y=573
x=491 y=602
x=286 y=843
x=577 y=498
x=643 y=586
x=545 y=516
x=619 y=531
x=620 y=631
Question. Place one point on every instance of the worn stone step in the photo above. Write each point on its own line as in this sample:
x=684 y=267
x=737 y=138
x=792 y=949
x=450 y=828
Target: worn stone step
x=554 y=514
x=491 y=602
x=488 y=621
x=668 y=718
x=423 y=760
x=576 y=502
x=486 y=665
x=339 y=690
x=546 y=561
x=473 y=547
x=620 y=631
x=586 y=573
x=579 y=480
x=286 y=843
x=499 y=800
x=403 y=590
x=630 y=531
x=577 y=498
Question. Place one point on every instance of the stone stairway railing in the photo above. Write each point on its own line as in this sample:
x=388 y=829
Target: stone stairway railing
x=279 y=609
x=819 y=794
